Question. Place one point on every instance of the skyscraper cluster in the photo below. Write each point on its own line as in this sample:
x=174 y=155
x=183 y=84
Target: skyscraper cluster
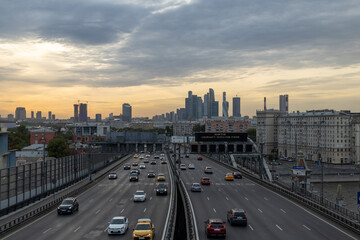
x=80 y=112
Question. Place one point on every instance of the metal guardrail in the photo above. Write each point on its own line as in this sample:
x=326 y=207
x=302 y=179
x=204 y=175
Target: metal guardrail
x=47 y=207
x=338 y=217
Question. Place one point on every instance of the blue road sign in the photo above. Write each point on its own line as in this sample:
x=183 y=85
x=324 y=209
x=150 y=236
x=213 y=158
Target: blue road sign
x=358 y=198
x=299 y=167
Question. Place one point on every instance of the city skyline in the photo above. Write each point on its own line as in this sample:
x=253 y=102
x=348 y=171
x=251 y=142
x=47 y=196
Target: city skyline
x=151 y=53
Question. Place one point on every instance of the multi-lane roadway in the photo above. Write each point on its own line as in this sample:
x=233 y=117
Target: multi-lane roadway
x=270 y=216
x=101 y=203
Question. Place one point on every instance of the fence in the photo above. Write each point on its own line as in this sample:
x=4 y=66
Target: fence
x=28 y=183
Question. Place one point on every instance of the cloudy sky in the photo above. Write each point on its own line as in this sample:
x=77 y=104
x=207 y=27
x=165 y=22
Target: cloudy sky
x=149 y=53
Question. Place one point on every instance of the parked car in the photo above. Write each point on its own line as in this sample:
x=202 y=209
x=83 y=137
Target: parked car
x=237 y=216
x=118 y=225
x=215 y=227
x=68 y=206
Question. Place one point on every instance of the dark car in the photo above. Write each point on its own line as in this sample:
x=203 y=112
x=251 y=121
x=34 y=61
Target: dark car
x=153 y=162
x=187 y=156
x=135 y=170
x=68 y=206
x=237 y=175
x=127 y=167
x=199 y=158
x=151 y=174
x=134 y=177
x=135 y=164
x=196 y=187
x=237 y=216
x=215 y=228
x=161 y=189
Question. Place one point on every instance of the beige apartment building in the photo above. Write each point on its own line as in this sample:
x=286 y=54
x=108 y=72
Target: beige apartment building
x=233 y=124
x=332 y=136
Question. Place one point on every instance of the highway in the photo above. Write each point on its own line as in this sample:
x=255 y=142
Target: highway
x=100 y=203
x=270 y=216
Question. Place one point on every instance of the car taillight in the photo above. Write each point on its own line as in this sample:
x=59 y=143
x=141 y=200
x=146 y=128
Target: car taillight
x=233 y=214
x=245 y=214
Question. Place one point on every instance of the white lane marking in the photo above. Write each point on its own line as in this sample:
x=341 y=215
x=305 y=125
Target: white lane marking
x=227 y=198
x=97 y=211
x=260 y=210
x=282 y=210
x=76 y=229
x=266 y=198
x=208 y=198
x=106 y=229
x=110 y=199
x=145 y=210
x=122 y=210
x=279 y=227
x=246 y=199
x=251 y=228
x=214 y=209
x=306 y=227
x=150 y=198
x=47 y=230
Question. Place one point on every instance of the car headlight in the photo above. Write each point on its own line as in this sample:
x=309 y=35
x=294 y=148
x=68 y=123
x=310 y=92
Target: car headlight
x=70 y=207
x=148 y=235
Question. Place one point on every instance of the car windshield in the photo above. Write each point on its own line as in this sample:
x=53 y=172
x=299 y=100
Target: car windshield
x=196 y=184
x=117 y=221
x=205 y=178
x=239 y=214
x=143 y=227
x=67 y=202
x=161 y=175
x=216 y=225
x=139 y=193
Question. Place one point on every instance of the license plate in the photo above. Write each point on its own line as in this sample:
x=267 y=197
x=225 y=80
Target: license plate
x=141 y=238
x=239 y=218
x=216 y=229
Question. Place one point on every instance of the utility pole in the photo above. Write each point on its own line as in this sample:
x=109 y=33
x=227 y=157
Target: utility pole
x=261 y=170
x=89 y=162
x=322 y=181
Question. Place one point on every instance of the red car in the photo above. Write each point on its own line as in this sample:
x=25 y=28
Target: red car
x=215 y=227
x=135 y=164
x=205 y=181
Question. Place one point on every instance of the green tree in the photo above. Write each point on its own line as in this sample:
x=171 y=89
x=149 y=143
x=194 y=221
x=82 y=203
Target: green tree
x=58 y=147
x=198 y=128
x=252 y=134
x=18 y=138
x=169 y=130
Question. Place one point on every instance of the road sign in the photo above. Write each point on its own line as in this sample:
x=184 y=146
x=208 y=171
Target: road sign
x=298 y=167
x=358 y=198
x=299 y=172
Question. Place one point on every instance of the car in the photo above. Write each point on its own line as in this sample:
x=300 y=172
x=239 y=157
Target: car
x=237 y=216
x=229 y=177
x=141 y=157
x=68 y=206
x=147 y=156
x=191 y=166
x=208 y=170
x=139 y=196
x=112 y=176
x=162 y=155
x=182 y=166
x=135 y=170
x=136 y=156
x=215 y=227
x=196 y=187
x=187 y=156
x=199 y=158
x=144 y=229
x=146 y=160
x=237 y=175
x=135 y=164
x=161 y=177
x=142 y=166
x=161 y=189
x=205 y=181
x=153 y=162
x=163 y=161
x=156 y=156
x=127 y=167
x=151 y=174
x=134 y=177
x=118 y=225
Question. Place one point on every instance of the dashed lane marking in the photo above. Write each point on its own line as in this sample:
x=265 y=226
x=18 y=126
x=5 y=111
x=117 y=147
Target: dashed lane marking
x=260 y=210
x=307 y=227
x=76 y=229
x=47 y=230
x=283 y=210
x=279 y=227
x=251 y=228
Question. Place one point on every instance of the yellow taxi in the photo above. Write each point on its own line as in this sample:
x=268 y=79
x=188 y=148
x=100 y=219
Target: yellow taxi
x=136 y=156
x=144 y=229
x=161 y=177
x=229 y=177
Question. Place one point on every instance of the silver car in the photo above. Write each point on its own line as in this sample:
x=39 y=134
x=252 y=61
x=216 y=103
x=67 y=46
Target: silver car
x=191 y=166
x=139 y=196
x=142 y=166
x=118 y=225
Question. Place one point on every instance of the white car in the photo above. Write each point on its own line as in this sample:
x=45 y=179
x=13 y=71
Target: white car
x=191 y=166
x=147 y=156
x=112 y=176
x=142 y=166
x=141 y=157
x=139 y=196
x=182 y=166
x=118 y=225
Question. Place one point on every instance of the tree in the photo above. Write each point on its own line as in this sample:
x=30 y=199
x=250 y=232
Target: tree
x=198 y=128
x=252 y=134
x=58 y=147
x=18 y=138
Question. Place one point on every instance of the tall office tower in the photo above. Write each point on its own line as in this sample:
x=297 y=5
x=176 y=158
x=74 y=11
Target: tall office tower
x=211 y=100
x=215 y=109
x=127 y=112
x=83 y=117
x=205 y=104
x=193 y=106
x=236 y=107
x=38 y=115
x=49 y=115
x=284 y=103
x=199 y=109
x=225 y=106
x=53 y=117
x=20 y=113
x=98 y=117
x=32 y=115
x=76 y=113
